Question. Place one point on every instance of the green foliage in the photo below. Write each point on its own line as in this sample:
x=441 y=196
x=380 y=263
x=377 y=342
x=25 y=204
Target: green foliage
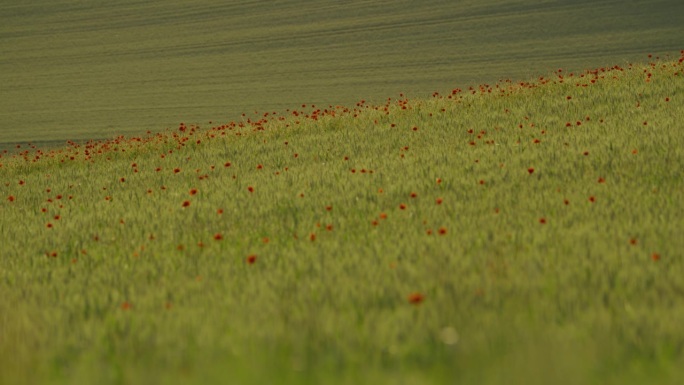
x=517 y=232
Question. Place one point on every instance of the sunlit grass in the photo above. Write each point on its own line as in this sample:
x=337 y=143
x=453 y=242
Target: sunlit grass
x=510 y=232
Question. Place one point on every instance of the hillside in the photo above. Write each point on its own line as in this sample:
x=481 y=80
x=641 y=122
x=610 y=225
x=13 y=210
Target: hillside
x=522 y=231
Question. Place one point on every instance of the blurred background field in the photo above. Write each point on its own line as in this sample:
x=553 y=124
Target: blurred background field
x=76 y=70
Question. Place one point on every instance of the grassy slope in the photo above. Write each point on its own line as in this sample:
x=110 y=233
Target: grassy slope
x=576 y=299
x=74 y=71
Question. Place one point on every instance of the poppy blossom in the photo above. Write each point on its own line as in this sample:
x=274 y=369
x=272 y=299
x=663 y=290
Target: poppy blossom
x=193 y=191
x=126 y=305
x=655 y=257
x=176 y=170
x=218 y=237
x=186 y=203
x=542 y=221
x=250 y=189
x=530 y=170
x=402 y=206
x=251 y=259
x=11 y=198
x=442 y=231
x=416 y=298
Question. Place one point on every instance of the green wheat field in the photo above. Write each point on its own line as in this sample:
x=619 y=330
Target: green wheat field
x=523 y=230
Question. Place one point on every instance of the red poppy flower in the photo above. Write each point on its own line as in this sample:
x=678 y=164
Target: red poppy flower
x=530 y=170
x=592 y=199
x=193 y=191
x=414 y=195
x=442 y=231
x=250 y=189
x=11 y=198
x=176 y=170
x=542 y=221
x=227 y=164
x=186 y=203
x=402 y=206
x=655 y=257
x=416 y=298
x=251 y=259
x=218 y=237
x=126 y=305
x=633 y=241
